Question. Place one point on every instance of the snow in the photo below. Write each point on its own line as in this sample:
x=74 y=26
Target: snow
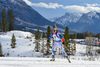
x=93 y=14
x=80 y=49
x=24 y=43
x=25 y=56
x=44 y=62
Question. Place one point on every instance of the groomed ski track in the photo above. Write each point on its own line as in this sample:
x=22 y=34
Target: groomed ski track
x=44 y=62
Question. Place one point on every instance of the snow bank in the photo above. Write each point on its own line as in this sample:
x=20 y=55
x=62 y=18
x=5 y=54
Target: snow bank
x=20 y=34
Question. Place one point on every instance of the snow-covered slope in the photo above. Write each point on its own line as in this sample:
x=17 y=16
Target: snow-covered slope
x=20 y=34
x=24 y=44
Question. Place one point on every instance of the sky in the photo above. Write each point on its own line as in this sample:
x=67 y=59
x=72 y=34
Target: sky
x=57 y=8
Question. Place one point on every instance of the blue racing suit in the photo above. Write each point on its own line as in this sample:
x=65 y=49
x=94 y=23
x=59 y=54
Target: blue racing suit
x=57 y=42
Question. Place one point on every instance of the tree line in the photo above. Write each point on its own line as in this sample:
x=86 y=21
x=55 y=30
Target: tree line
x=7 y=20
x=83 y=35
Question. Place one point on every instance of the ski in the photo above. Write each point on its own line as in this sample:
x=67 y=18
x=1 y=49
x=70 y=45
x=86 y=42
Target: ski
x=68 y=60
x=52 y=60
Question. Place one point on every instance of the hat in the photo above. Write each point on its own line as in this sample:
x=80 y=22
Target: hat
x=54 y=29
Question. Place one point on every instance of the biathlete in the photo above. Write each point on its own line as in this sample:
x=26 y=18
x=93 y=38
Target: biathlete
x=57 y=43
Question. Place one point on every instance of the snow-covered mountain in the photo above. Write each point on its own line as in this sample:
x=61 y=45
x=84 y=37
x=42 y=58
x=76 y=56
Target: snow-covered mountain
x=81 y=22
x=25 y=16
x=88 y=22
x=89 y=17
x=67 y=19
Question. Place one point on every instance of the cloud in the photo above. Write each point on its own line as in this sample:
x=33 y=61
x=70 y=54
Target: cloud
x=50 y=5
x=92 y=5
x=44 y=5
x=75 y=8
x=81 y=9
x=71 y=8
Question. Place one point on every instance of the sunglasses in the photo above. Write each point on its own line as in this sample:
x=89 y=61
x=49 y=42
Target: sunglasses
x=53 y=31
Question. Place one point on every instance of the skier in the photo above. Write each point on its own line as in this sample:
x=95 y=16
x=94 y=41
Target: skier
x=57 y=43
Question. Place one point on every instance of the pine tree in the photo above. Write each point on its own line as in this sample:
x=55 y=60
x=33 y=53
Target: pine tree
x=1 y=50
x=37 y=37
x=48 y=32
x=74 y=46
x=25 y=30
x=86 y=34
x=66 y=37
x=4 y=23
x=37 y=46
x=98 y=35
x=7 y=28
x=13 y=41
x=83 y=35
x=37 y=34
x=10 y=19
x=0 y=25
x=89 y=48
x=73 y=39
x=43 y=45
x=47 y=36
x=43 y=36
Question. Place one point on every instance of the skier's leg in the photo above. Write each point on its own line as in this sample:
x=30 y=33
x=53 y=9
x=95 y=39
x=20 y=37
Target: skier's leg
x=53 y=49
x=63 y=51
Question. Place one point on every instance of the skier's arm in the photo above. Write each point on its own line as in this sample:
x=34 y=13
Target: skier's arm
x=62 y=37
x=50 y=37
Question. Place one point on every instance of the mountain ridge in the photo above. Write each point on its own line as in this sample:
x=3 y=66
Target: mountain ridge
x=85 y=22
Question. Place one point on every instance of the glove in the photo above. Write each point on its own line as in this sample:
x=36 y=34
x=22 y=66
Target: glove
x=63 y=43
x=48 y=41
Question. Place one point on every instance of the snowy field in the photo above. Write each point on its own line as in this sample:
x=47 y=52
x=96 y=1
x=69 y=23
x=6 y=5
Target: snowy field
x=44 y=62
x=25 y=56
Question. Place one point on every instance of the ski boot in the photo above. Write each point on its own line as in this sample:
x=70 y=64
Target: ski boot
x=53 y=58
x=68 y=59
